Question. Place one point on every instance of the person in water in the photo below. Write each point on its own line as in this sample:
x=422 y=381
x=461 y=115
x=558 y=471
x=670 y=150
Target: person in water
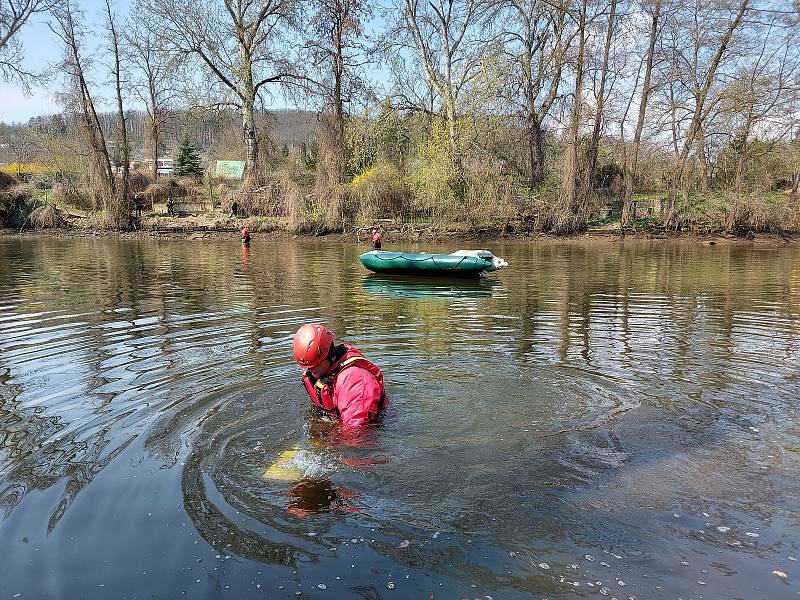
x=338 y=378
x=245 y=235
x=377 y=238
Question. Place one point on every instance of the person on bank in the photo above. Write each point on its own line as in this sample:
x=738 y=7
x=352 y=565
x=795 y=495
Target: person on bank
x=377 y=238
x=339 y=379
x=245 y=235
x=138 y=205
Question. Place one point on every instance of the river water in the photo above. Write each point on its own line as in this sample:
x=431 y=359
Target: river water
x=597 y=420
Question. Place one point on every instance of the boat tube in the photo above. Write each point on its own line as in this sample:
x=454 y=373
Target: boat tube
x=463 y=263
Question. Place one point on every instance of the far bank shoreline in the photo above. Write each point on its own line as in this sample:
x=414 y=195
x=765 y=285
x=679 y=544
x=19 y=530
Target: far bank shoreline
x=475 y=237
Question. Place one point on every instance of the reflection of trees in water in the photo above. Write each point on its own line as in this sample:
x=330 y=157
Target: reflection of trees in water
x=36 y=453
x=555 y=295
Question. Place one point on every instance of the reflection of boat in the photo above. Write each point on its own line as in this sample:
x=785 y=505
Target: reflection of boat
x=408 y=287
x=463 y=263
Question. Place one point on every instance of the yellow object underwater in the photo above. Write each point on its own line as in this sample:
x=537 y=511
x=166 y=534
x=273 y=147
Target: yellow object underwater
x=282 y=469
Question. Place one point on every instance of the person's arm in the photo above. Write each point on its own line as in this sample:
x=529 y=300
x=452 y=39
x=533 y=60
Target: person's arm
x=357 y=395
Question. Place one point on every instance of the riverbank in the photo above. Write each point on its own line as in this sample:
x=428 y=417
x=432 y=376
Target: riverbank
x=217 y=225
x=184 y=229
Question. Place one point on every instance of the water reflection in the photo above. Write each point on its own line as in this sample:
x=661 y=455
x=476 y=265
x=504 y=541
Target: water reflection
x=571 y=407
x=313 y=497
x=399 y=287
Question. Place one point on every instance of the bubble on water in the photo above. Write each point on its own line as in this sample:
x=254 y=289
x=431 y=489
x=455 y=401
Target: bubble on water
x=684 y=563
x=435 y=535
x=605 y=591
x=723 y=529
x=322 y=586
x=751 y=534
x=700 y=582
x=544 y=566
x=390 y=585
x=676 y=515
x=603 y=563
x=589 y=557
x=793 y=559
x=404 y=544
x=620 y=583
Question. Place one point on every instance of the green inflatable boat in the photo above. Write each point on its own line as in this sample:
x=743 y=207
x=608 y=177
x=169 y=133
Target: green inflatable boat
x=464 y=263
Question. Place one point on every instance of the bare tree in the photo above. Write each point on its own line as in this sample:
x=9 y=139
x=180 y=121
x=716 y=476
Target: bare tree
x=594 y=140
x=13 y=16
x=335 y=44
x=632 y=153
x=702 y=79
x=152 y=76
x=122 y=129
x=441 y=33
x=764 y=93
x=240 y=42
x=79 y=99
x=569 y=218
x=536 y=41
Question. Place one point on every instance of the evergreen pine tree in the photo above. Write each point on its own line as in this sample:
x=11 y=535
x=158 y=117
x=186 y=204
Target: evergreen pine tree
x=187 y=162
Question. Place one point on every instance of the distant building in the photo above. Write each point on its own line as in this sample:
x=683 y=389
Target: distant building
x=164 y=165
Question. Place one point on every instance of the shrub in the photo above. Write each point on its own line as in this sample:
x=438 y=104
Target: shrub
x=380 y=192
x=7 y=181
x=138 y=182
x=65 y=192
x=15 y=202
x=47 y=216
x=161 y=189
x=434 y=177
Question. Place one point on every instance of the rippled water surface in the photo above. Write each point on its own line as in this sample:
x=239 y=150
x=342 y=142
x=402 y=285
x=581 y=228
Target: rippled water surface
x=595 y=420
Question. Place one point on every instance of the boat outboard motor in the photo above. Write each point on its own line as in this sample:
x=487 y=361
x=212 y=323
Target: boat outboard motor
x=496 y=261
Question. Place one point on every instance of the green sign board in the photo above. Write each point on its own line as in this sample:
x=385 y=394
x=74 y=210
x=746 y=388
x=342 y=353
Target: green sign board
x=231 y=169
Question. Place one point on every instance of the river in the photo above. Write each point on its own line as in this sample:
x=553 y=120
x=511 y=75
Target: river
x=597 y=420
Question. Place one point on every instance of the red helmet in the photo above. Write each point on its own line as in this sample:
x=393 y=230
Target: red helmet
x=312 y=342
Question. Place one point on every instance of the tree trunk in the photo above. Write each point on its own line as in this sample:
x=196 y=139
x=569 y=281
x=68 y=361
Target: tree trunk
x=793 y=194
x=340 y=147
x=742 y=159
x=702 y=160
x=535 y=151
x=631 y=160
x=569 y=219
x=154 y=135
x=250 y=141
x=588 y=174
x=123 y=126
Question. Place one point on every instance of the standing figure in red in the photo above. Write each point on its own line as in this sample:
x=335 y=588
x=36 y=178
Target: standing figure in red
x=245 y=235
x=339 y=379
x=377 y=239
